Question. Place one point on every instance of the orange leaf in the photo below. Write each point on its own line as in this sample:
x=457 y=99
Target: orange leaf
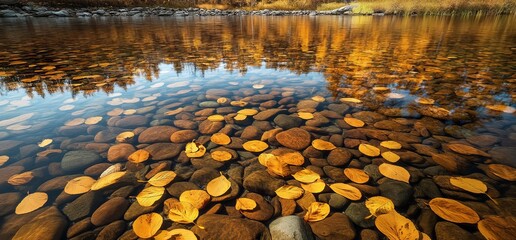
x=394 y=172
x=317 y=211
x=346 y=190
x=139 y=156
x=146 y=225
x=453 y=211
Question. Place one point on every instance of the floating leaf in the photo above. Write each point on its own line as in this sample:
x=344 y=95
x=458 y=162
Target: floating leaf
x=31 y=202
x=221 y=156
x=248 y=112
x=264 y=158
x=191 y=147
x=394 y=172
x=20 y=179
x=218 y=186
x=453 y=211
x=139 y=156
x=183 y=212
x=305 y=115
x=354 y=122
x=322 y=145
x=501 y=108
x=220 y=139
x=245 y=204
x=255 y=146
x=162 y=179
x=199 y=153
x=198 y=198
x=390 y=156
x=3 y=159
x=497 y=227
x=45 y=142
x=391 y=145
x=317 y=211
x=351 y=100
x=124 y=137
x=502 y=171
x=306 y=176
x=378 y=205
x=216 y=118
x=107 y=180
x=347 y=191
x=289 y=192
x=111 y=169
x=290 y=157
x=79 y=185
x=278 y=167
x=315 y=187
x=175 y=234
x=356 y=175
x=369 y=150
x=148 y=196
x=147 y=225
x=396 y=227
x=93 y=120
x=466 y=150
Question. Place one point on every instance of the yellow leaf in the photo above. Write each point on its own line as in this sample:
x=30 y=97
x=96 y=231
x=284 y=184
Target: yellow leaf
x=221 y=156
x=20 y=179
x=148 y=196
x=394 y=172
x=75 y=122
x=305 y=115
x=139 y=156
x=162 y=179
x=390 y=156
x=31 y=202
x=306 y=176
x=238 y=103
x=351 y=100
x=79 y=185
x=107 y=180
x=317 y=211
x=315 y=187
x=356 y=175
x=191 y=147
x=183 y=212
x=245 y=204
x=45 y=142
x=380 y=89
x=220 y=139
x=218 y=186
x=502 y=171
x=146 y=225
x=216 y=118
x=124 y=137
x=175 y=234
x=322 y=145
x=198 y=198
x=396 y=227
x=426 y=101
x=3 y=159
x=453 y=211
x=501 y=108
x=111 y=169
x=240 y=117
x=391 y=145
x=255 y=146
x=248 y=112
x=466 y=150
x=197 y=154
x=258 y=86
x=289 y=192
x=174 y=112
x=318 y=98
x=378 y=205
x=222 y=100
x=369 y=150
x=278 y=167
x=289 y=156
x=498 y=227
x=93 y=120
x=354 y=122
x=469 y=184
x=347 y=191
x=264 y=158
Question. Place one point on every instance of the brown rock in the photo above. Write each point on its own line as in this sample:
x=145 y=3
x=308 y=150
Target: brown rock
x=97 y=169
x=183 y=136
x=8 y=146
x=7 y=172
x=162 y=151
x=9 y=202
x=216 y=228
x=110 y=211
x=112 y=231
x=263 y=210
x=267 y=114
x=132 y=121
x=339 y=157
x=120 y=152
x=57 y=183
x=50 y=224
x=294 y=138
x=185 y=124
x=288 y=206
x=12 y=223
x=156 y=134
x=175 y=189
x=263 y=183
x=251 y=132
x=79 y=227
x=336 y=226
x=450 y=231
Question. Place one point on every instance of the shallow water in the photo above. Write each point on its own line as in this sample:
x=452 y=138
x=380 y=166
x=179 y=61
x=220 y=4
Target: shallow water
x=425 y=82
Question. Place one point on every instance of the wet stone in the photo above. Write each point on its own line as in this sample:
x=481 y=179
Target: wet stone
x=112 y=231
x=335 y=226
x=287 y=121
x=263 y=183
x=267 y=114
x=83 y=206
x=290 y=228
x=203 y=176
x=156 y=134
x=295 y=138
x=163 y=151
x=79 y=227
x=183 y=136
x=339 y=157
x=399 y=192
x=216 y=227
x=111 y=210
x=50 y=224
x=120 y=152
x=79 y=160
x=450 y=231
x=208 y=127
x=357 y=213
x=132 y=121
x=263 y=210
x=9 y=146
x=9 y=202
x=504 y=155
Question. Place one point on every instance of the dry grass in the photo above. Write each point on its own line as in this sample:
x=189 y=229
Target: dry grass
x=436 y=7
x=213 y=6
x=330 y=6
x=287 y=5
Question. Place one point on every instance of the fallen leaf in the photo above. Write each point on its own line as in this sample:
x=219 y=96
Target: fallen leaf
x=426 y=101
x=501 y=108
x=45 y=142
x=248 y=112
x=124 y=137
x=218 y=186
x=258 y=86
x=20 y=179
x=289 y=192
x=255 y=146
x=175 y=234
x=322 y=145
x=351 y=100
x=240 y=117
x=369 y=150
x=3 y=159
x=148 y=196
x=318 y=99
x=31 y=202
x=497 y=227
x=378 y=205
x=469 y=184
x=238 y=103
x=108 y=180
x=139 y=156
x=198 y=198
x=390 y=156
x=216 y=118
x=391 y=145
x=147 y=225
x=502 y=171
x=394 y=172
x=347 y=191
x=93 y=120
x=466 y=150
x=453 y=211
x=75 y=122
x=396 y=227
x=245 y=204
x=354 y=122
x=221 y=156
x=289 y=156
x=356 y=175
x=306 y=176
x=183 y=212
x=220 y=139
x=305 y=115
x=317 y=211
x=111 y=169
x=315 y=187
x=264 y=158
x=278 y=167
x=79 y=185
x=162 y=179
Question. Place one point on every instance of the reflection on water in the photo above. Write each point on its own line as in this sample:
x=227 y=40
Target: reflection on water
x=427 y=82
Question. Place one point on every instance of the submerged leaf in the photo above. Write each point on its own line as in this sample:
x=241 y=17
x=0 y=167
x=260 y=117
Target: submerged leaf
x=453 y=211
x=390 y=156
x=124 y=137
x=255 y=146
x=147 y=225
x=315 y=187
x=216 y=118
x=466 y=150
x=175 y=234
x=369 y=150
x=220 y=139
x=201 y=150
x=289 y=192
x=317 y=211
x=305 y=115
x=356 y=175
x=394 y=172
x=502 y=171
x=322 y=145
x=354 y=122
x=79 y=185
x=198 y=198
x=3 y=159
x=347 y=191
x=218 y=186
x=21 y=179
x=31 y=202
x=378 y=205
x=162 y=179
x=306 y=176
x=108 y=180
x=183 y=212
x=245 y=204
x=111 y=169
x=469 y=184
x=139 y=156
x=45 y=142
x=391 y=145
x=396 y=227
x=148 y=196
x=498 y=227
x=221 y=156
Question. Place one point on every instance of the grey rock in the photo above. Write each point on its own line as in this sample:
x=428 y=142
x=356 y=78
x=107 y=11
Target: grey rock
x=399 y=192
x=290 y=228
x=357 y=213
x=79 y=160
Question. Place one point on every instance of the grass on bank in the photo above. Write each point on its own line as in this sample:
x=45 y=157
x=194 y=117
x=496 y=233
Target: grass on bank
x=400 y=7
